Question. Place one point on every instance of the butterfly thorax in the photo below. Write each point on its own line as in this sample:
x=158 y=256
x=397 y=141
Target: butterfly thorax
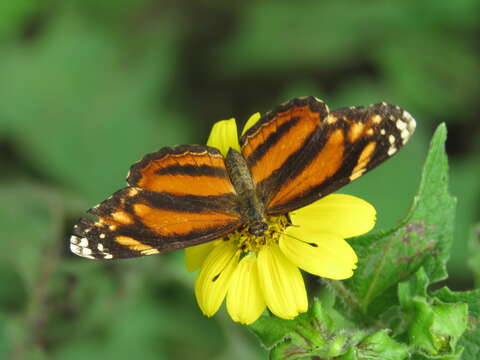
x=252 y=208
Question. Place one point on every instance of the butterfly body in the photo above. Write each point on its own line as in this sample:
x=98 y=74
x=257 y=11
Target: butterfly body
x=190 y=194
x=252 y=208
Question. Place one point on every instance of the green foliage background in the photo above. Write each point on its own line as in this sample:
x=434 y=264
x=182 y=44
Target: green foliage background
x=88 y=87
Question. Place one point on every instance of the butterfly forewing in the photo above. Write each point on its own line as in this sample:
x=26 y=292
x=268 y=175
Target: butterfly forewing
x=275 y=143
x=178 y=197
x=184 y=170
x=346 y=144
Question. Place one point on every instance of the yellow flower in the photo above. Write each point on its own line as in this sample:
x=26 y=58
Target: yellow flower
x=258 y=272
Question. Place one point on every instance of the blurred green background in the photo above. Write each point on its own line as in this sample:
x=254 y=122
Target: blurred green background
x=87 y=87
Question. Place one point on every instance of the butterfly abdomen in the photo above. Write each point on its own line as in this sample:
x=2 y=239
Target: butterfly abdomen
x=253 y=209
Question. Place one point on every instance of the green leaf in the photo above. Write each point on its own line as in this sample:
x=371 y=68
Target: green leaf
x=319 y=323
x=433 y=207
x=437 y=328
x=322 y=331
x=417 y=286
x=377 y=346
x=422 y=239
x=470 y=341
x=271 y=329
x=434 y=324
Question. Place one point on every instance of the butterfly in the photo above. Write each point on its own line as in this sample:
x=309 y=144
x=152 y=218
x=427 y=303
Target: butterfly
x=190 y=194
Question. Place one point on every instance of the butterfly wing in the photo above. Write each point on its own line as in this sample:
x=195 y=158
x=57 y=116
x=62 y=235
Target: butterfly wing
x=177 y=197
x=301 y=152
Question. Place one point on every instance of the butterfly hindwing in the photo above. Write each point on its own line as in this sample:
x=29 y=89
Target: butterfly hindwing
x=346 y=144
x=178 y=197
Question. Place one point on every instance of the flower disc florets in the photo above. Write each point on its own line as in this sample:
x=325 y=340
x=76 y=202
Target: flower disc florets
x=247 y=242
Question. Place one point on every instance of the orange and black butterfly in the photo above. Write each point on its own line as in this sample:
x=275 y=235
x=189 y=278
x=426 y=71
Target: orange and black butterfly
x=187 y=195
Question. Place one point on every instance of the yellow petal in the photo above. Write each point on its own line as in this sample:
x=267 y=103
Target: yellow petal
x=224 y=136
x=196 y=255
x=245 y=301
x=251 y=121
x=339 y=214
x=321 y=254
x=281 y=283
x=212 y=283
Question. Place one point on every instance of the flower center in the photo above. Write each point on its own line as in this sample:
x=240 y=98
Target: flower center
x=247 y=242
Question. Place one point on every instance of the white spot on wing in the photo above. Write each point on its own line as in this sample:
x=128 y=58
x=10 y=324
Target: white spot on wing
x=75 y=249
x=406 y=127
x=401 y=125
x=86 y=251
x=405 y=134
x=411 y=123
x=79 y=246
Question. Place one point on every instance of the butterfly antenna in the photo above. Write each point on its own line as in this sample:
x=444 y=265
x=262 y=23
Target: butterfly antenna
x=296 y=238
